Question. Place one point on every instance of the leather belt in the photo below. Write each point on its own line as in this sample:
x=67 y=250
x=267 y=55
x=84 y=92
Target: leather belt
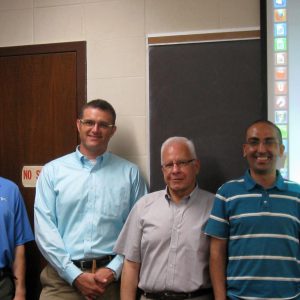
x=86 y=264
x=178 y=295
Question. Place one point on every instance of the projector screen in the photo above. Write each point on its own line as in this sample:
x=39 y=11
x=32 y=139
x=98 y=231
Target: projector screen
x=283 y=64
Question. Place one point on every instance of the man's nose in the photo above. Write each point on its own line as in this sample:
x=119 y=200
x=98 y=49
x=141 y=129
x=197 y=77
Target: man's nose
x=175 y=167
x=262 y=146
x=96 y=127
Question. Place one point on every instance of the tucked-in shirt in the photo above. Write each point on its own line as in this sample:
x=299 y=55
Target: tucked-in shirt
x=81 y=207
x=167 y=240
x=15 y=229
x=262 y=228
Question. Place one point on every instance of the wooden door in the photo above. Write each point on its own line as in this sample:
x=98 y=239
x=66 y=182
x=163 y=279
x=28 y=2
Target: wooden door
x=42 y=88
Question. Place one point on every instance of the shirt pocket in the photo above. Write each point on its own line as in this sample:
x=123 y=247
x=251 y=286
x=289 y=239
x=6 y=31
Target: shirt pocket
x=113 y=201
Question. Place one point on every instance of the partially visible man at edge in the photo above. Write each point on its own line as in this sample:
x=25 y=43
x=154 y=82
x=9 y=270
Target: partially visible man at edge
x=255 y=224
x=15 y=231
x=166 y=252
x=82 y=201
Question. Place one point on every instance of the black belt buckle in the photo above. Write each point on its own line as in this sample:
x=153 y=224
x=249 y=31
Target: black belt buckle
x=82 y=264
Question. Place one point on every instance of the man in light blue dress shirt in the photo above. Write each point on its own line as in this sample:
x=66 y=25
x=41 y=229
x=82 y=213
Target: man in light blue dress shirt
x=82 y=201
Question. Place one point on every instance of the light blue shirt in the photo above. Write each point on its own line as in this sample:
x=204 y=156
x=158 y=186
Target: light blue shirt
x=81 y=207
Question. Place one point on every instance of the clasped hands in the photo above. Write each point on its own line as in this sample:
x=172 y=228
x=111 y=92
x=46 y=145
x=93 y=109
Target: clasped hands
x=93 y=285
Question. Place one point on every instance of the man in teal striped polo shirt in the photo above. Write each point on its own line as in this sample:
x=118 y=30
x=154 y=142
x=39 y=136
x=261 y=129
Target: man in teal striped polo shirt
x=254 y=226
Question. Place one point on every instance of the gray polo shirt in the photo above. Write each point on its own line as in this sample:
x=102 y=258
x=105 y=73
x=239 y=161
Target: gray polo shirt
x=168 y=240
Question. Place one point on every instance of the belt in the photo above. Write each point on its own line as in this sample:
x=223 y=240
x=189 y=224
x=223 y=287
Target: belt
x=6 y=272
x=86 y=264
x=175 y=295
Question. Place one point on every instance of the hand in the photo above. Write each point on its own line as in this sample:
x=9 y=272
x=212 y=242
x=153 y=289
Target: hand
x=88 y=287
x=104 y=276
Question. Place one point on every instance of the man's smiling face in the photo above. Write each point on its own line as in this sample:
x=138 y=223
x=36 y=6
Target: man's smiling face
x=262 y=148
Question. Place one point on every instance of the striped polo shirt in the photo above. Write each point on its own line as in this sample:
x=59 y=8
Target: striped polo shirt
x=262 y=228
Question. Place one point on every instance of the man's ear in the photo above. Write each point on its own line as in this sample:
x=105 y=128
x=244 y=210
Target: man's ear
x=244 y=150
x=78 y=124
x=197 y=165
x=281 y=150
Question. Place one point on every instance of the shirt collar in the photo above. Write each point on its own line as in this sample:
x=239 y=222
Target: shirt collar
x=251 y=184
x=85 y=161
x=186 y=198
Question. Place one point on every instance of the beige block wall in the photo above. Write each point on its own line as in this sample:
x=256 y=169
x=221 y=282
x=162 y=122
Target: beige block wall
x=116 y=31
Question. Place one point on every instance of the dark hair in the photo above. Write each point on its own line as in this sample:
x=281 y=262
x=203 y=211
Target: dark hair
x=278 y=131
x=100 y=104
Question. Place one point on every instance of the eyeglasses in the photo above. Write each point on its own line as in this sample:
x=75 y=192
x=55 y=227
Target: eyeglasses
x=91 y=123
x=269 y=142
x=180 y=164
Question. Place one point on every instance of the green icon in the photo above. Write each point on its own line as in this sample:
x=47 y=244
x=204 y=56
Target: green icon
x=284 y=130
x=280 y=44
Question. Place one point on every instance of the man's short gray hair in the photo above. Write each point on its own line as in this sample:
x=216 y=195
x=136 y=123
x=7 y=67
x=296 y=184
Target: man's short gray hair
x=178 y=139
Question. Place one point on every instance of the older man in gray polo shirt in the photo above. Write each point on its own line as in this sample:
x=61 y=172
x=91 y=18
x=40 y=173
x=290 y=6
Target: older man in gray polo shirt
x=165 y=249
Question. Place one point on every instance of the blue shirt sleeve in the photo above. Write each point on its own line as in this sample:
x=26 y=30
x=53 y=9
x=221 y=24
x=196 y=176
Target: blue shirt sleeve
x=23 y=232
x=218 y=223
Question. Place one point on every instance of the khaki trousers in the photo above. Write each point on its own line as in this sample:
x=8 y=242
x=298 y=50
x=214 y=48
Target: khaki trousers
x=55 y=288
